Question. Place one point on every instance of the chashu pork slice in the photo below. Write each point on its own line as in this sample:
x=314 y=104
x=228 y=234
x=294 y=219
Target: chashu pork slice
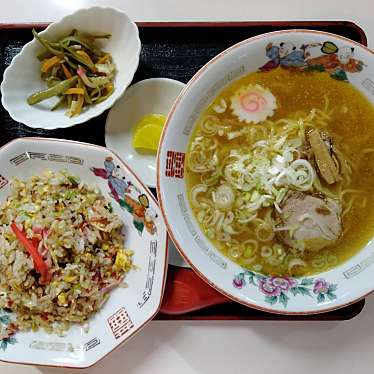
x=308 y=222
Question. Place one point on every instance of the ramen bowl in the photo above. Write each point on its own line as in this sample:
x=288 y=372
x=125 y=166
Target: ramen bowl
x=128 y=309
x=345 y=283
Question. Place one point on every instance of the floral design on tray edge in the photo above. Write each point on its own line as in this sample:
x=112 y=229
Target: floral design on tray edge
x=334 y=60
x=128 y=196
x=7 y=330
x=279 y=289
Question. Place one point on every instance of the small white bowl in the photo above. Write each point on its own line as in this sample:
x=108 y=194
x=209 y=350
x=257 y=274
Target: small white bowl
x=22 y=77
x=155 y=95
x=127 y=310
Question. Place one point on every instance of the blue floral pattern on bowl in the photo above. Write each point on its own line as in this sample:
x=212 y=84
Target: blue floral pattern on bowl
x=7 y=329
x=279 y=289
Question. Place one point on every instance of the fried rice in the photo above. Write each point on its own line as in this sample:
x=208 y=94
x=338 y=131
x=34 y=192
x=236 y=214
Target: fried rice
x=80 y=240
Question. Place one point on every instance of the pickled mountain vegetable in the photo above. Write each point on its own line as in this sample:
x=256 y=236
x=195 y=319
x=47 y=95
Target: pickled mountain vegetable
x=75 y=70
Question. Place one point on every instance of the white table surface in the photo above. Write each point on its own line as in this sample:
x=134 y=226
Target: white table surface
x=227 y=347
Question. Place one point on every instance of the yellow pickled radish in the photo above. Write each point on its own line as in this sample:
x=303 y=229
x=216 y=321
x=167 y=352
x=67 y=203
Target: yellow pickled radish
x=147 y=133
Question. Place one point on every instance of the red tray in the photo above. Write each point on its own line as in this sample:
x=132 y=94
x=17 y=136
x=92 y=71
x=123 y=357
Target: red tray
x=164 y=46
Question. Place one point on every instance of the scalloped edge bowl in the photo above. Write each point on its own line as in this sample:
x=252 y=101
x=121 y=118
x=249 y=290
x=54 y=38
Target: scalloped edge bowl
x=22 y=77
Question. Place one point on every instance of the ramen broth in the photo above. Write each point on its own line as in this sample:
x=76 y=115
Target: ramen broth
x=350 y=125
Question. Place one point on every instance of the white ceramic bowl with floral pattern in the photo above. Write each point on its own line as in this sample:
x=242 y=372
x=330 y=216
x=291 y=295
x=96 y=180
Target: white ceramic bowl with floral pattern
x=22 y=77
x=345 y=284
x=128 y=309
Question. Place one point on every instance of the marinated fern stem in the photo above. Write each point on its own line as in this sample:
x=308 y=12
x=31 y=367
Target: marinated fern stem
x=75 y=70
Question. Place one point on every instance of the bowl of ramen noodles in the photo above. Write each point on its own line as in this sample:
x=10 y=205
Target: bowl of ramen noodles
x=83 y=253
x=266 y=176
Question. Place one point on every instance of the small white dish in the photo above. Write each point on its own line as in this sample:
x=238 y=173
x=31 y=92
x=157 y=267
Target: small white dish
x=22 y=77
x=155 y=95
x=127 y=310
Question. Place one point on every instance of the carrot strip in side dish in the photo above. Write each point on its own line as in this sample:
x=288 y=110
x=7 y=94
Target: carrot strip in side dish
x=39 y=264
x=66 y=71
x=47 y=64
